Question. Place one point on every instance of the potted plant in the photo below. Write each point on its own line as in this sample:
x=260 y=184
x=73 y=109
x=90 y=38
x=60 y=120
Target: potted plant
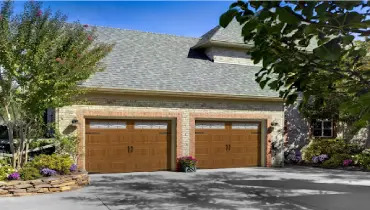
x=187 y=164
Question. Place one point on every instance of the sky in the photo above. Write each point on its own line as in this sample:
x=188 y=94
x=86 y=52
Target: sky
x=183 y=18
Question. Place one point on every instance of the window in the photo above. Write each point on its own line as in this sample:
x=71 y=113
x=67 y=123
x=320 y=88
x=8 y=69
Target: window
x=108 y=125
x=244 y=126
x=209 y=125
x=322 y=128
x=150 y=125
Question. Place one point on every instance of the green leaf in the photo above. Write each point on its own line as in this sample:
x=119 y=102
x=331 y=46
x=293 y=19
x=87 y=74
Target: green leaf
x=320 y=9
x=286 y=15
x=310 y=29
x=330 y=51
x=227 y=17
x=240 y=4
x=348 y=39
x=264 y=82
x=291 y=98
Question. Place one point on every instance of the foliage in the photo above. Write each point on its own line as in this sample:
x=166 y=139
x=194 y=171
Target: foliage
x=40 y=143
x=68 y=145
x=29 y=172
x=14 y=176
x=43 y=59
x=48 y=172
x=59 y=163
x=336 y=160
x=363 y=160
x=187 y=161
x=73 y=168
x=308 y=47
x=5 y=170
x=317 y=147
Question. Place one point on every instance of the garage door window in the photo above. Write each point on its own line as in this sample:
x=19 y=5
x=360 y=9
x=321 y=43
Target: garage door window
x=108 y=124
x=244 y=126
x=150 y=125
x=209 y=125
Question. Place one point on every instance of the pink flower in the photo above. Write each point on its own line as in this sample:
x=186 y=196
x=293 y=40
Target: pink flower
x=86 y=25
x=39 y=13
x=89 y=38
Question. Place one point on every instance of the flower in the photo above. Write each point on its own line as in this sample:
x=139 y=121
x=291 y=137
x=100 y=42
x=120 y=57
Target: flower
x=89 y=38
x=48 y=172
x=39 y=13
x=323 y=157
x=347 y=162
x=315 y=159
x=14 y=176
x=73 y=168
x=86 y=25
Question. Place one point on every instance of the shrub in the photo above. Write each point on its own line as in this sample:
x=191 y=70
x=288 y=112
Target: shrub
x=336 y=160
x=5 y=171
x=59 y=163
x=347 y=162
x=48 y=172
x=14 y=176
x=330 y=147
x=29 y=173
x=362 y=159
x=187 y=161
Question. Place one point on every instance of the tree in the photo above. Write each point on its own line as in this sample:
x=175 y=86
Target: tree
x=308 y=47
x=43 y=59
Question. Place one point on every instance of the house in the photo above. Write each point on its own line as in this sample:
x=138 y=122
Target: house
x=164 y=96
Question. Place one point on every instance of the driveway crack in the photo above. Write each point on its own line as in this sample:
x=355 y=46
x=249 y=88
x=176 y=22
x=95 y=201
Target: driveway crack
x=103 y=203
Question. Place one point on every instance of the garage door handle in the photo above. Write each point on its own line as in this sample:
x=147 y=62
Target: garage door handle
x=229 y=147
x=226 y=147
x=128 y=149
x=132 y=149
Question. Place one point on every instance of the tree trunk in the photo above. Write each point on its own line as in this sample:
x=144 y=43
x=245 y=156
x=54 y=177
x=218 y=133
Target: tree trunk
x=367 y=143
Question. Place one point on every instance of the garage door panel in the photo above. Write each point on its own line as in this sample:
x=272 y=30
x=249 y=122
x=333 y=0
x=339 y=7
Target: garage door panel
x=109 y=144
x=243 y=138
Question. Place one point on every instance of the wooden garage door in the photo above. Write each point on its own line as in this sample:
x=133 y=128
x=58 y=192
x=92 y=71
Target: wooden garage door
x=114 y=146
x=227 y=144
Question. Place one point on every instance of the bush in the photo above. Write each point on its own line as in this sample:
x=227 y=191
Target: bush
x=187 y=161
x=363 y=159
x=48 y=172
x=336 y=160
x=330 y=147
x=30 y=173
x=5 y=171
x=59 y=163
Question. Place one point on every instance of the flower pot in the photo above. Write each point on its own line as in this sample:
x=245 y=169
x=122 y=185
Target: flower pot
x=190 y=169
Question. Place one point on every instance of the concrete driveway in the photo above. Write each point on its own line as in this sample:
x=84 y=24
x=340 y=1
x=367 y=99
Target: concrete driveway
x=248 y=188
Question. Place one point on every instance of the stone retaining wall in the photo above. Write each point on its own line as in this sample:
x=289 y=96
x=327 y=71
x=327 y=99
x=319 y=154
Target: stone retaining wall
x=44 y=185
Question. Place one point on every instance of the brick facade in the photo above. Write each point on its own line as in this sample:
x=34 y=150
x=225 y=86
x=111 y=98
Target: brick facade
x=183 y=111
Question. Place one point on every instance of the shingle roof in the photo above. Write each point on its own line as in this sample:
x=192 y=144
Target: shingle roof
x=159 y=62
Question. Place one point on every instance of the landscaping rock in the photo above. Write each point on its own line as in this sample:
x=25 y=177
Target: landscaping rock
x=36 y=182
x=65 y=184
x=43 y=190
x=17 y=191
x=3 y=192
x=22 y=194
x=43 y=185
x=54 y=189
x=65 y=188
x=23 y=186
x=12 y=183
x=3 y=184
x=32 y=190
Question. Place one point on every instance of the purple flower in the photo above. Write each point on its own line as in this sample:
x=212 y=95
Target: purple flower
x=39 y=13
x=48 y=172
x=73 y=168
x=14 y=176
x=323 y=157
x=347 y=162
x=315 y=159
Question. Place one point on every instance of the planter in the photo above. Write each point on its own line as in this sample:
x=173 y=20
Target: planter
x=189 y=169
x=44 y=185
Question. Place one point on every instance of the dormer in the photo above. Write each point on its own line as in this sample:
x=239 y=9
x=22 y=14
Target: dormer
x=225 y=45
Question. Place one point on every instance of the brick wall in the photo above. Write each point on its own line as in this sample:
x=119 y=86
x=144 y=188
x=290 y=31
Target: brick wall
x=182 y=111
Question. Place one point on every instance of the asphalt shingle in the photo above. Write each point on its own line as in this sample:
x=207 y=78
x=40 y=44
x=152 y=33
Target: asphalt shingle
x=160 y=62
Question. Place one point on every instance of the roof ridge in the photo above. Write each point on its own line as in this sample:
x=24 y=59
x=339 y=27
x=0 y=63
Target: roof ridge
x=148 y=32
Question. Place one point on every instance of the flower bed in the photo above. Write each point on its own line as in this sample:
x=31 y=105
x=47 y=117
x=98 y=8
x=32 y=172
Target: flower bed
x=44 y=185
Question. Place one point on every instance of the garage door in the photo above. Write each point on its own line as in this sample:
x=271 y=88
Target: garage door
x=227 y=144
x=114 y=146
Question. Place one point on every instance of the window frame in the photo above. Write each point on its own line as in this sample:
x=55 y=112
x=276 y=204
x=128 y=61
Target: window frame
x=322 y=121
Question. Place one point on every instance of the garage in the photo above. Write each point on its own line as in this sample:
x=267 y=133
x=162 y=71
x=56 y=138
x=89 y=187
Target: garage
x=227 y=144
x=118 y=145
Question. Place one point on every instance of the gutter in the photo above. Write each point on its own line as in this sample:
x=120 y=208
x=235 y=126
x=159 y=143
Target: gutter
x=213 y=43
x=181 y=94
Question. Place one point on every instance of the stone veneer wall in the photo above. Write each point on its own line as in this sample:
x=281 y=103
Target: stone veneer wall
x=182 y=110
x=45 y=185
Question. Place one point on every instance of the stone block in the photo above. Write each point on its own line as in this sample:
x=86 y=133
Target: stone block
x=22 y=194
x=23 y=186
x=32 y=190
x=3 y=192
x=18 y=191
x=36 y=182
x=3 y=183
x=43 y=190
x=54 y=189
x=43 y=185
x=66 y=179
x=12 y=183
x=65 y=188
